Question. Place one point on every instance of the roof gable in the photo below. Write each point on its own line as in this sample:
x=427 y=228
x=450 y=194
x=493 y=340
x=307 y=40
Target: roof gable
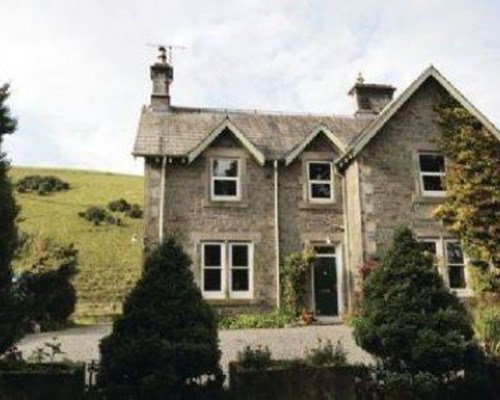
x=227 y=124
x=320 y=129
x=376 y=125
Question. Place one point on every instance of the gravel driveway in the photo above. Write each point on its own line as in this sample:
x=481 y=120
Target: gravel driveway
x=81 y=344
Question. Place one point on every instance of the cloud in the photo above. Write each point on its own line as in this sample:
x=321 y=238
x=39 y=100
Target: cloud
x=79 y=70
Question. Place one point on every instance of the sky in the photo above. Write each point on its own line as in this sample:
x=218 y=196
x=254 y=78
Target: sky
x=79 y=70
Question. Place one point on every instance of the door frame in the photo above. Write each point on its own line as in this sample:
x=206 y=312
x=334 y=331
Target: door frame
x=340 y=278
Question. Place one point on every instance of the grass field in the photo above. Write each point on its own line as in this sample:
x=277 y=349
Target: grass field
x=109 y=255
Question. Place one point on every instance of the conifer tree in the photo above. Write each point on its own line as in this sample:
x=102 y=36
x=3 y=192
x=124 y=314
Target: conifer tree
x=10 y=317
x=408 y=319
x=165 y=343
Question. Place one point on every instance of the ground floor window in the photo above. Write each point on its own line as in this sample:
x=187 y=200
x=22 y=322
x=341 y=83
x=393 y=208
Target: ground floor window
x=450 y=259
x=227 y=270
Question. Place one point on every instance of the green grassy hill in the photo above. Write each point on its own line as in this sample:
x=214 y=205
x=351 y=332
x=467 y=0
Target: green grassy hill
x=109 y=255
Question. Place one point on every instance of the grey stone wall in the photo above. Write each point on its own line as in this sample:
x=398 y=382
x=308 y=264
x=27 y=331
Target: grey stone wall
x=389 y=188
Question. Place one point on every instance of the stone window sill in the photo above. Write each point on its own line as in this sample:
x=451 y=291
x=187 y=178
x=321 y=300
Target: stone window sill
x=428 y=199
x=305 y=205
x=232 y=302
x=223 y=204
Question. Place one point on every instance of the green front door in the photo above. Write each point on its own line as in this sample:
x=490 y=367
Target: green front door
x=325 y=282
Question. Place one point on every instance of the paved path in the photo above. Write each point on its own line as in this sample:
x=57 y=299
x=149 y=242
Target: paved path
x=82 y=344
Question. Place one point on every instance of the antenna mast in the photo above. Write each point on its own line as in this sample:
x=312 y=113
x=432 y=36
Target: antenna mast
x=166 y=51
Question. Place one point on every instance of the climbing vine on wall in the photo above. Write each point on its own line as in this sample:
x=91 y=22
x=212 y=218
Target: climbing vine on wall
x=472 y=207
x=294 y=277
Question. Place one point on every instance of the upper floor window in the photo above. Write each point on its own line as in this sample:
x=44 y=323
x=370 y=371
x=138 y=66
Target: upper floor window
x=225 y=179
x=227 y=270
x=432 y=173
x=319 y=181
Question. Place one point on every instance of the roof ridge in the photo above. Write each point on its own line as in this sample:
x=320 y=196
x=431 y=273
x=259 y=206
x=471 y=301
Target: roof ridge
x=256 y=112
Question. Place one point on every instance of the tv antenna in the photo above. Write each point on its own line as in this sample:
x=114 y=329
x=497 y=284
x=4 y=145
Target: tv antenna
x=166 y=51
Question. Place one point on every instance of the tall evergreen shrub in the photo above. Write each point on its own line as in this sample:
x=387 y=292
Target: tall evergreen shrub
x=10 y=316
x=165 y=344
x=408 y=319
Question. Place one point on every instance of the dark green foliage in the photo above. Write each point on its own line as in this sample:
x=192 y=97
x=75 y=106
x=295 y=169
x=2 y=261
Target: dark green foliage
x=120 y=205
x=10 y=318
x=408 y=319
x=123 y=206
x=327 y=354
x=99 y=215
x=134 y=211
x=46 y=291
x=166 y=340
x=41 y=185
x=257 y=358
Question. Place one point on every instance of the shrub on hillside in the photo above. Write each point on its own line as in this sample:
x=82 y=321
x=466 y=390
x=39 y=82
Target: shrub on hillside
x=46 y=291
x=165 y=343
x=123 y=206
x=41 y=184
x=409 y=320
x=99 y=215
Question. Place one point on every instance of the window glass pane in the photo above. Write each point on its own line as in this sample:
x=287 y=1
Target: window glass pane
x=431 y=163
x=457 y=276
x=433 y=183
x=319 y=171
x=454 y=253
x=212 y=255
x=212 y=281
x=429 y=247
x=225 y=168
x=240 y=281
x=225 y=188
x=321 y=191
x=324 y=250
x=239 y=255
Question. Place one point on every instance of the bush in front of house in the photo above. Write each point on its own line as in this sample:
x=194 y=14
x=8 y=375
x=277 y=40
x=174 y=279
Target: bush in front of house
x=165 y=343
x=41 y=184
x=10 y=317
x=325 y=353
x=411 y=322
x=257 y=321
x=46 y=291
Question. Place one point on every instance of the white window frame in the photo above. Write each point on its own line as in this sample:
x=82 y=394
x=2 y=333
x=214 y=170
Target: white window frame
x=465 y=289
x=211 y=294
x=226 y=269
x=422 y=174
x=442 y=264
x=311 y=182
x=236 y=179
x=240 y=294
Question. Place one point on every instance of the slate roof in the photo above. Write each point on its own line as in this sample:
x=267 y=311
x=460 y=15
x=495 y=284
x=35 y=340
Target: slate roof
x=179 y=130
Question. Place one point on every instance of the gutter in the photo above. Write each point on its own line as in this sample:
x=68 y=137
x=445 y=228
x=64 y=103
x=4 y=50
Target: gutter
x=161 y=218
x=347 y=254
x=277 y=234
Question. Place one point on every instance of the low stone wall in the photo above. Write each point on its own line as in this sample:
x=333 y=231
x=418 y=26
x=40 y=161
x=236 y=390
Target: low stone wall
x=293 y=381
x=42 y=385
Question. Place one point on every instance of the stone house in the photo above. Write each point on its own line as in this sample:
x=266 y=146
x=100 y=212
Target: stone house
x=241 y=190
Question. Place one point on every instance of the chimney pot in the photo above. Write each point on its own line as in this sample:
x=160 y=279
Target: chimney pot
x=162 y=75
x=371 y=98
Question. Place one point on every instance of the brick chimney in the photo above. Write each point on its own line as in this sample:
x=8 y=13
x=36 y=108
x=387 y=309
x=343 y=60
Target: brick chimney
x=371 y=98
x=162 y=75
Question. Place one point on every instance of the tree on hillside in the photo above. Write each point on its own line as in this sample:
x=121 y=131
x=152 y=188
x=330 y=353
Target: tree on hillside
x=165 y=343
x=408 y=319
x=472 y=207
x=10 y=319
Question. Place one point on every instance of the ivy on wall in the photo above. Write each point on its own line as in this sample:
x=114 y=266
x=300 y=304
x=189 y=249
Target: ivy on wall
x=472 y=207
x=294 y=277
